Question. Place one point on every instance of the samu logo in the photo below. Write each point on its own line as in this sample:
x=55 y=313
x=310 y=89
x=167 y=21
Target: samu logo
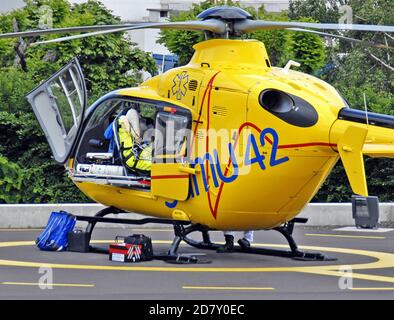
x=179 y=88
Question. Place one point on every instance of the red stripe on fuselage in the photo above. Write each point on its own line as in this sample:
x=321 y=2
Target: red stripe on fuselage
x=208 y=90
x=170 y=177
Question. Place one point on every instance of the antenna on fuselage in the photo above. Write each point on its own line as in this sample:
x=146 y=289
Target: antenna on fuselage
x=366 y=108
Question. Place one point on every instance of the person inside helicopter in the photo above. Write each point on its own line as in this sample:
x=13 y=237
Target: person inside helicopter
x=135 y=152
x=125 y=134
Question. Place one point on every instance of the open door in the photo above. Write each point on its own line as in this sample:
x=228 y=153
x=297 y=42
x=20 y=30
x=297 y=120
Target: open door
x=170 y=176
x=59 y=105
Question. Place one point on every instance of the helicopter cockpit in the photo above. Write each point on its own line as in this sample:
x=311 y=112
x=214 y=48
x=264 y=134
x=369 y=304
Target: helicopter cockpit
x=109 y=153
x=99 y=141
x=101 y=153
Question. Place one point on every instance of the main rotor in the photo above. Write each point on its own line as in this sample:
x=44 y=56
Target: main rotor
x=216 y=22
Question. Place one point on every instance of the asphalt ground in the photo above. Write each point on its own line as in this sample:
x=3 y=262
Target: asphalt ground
x=367 y=257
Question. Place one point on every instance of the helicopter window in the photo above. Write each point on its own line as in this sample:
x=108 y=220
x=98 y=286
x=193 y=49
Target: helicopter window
x=163 y=130
x=67 y=90
x=93 y=140
x=102 y=117
x=171 y=137
x=110 y=106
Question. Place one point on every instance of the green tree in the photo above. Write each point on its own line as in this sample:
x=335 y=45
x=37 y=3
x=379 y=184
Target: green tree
x=277 y=42
x=305 y=48
x=354 y=69
x=11 y=181
x=180 y=42
x=109 y=62
x=324 y=11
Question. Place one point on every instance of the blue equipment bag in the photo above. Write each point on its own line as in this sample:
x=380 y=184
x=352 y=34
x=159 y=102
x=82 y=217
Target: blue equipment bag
x=54 y=237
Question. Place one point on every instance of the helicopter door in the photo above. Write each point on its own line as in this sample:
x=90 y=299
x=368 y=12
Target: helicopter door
x=169 y=176
x=59 y=105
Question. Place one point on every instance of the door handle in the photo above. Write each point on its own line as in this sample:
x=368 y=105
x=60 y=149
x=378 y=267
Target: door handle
x=189 y=170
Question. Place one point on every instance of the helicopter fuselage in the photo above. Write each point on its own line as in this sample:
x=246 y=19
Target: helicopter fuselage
x=264 y=139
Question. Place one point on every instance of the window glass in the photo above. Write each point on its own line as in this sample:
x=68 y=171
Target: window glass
x=67 y=90
x=171 y=135
x=168 y=131
x=62 y=104
x=113 y=105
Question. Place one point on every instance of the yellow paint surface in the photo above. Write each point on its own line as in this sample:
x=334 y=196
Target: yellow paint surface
x=383 y=260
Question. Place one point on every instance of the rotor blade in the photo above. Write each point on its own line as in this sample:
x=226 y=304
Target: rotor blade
x=34 y=33
x=246 y=26
x=362 y=42
x=212 y=25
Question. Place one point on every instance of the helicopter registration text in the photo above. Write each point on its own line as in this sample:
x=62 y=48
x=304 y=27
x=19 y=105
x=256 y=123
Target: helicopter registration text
x=211 y=167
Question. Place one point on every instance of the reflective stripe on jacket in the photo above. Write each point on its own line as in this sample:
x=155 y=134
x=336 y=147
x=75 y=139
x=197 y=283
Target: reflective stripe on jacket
x=135 y=158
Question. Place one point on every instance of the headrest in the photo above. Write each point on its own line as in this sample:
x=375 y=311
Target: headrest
x=134 y=120
x=124 y=123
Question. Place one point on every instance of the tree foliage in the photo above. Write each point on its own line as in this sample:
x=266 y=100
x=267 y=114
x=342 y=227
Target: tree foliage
x=180 y=42
x=324 y=11
x=305 y=48
x=11 y=181
x=109 y=62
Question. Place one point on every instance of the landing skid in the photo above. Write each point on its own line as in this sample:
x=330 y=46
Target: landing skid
x=181 y=234
x=183 y=229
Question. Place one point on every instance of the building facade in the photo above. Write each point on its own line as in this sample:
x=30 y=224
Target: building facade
x=8 y=5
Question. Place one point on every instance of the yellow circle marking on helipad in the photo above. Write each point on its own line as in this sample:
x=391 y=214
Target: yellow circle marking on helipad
x=383 y=260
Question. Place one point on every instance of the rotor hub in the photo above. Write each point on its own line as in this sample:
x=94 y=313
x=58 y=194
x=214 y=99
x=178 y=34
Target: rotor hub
x=225 y=13
x=228 y=15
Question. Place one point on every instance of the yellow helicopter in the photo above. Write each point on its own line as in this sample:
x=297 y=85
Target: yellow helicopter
x=234 y=143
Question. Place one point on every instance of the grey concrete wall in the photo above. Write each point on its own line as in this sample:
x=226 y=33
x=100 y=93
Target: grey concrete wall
x=36 y=216
x=340 y=214
x=31 y=216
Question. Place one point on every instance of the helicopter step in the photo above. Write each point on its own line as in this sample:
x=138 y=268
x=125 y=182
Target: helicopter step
x=181 y=234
